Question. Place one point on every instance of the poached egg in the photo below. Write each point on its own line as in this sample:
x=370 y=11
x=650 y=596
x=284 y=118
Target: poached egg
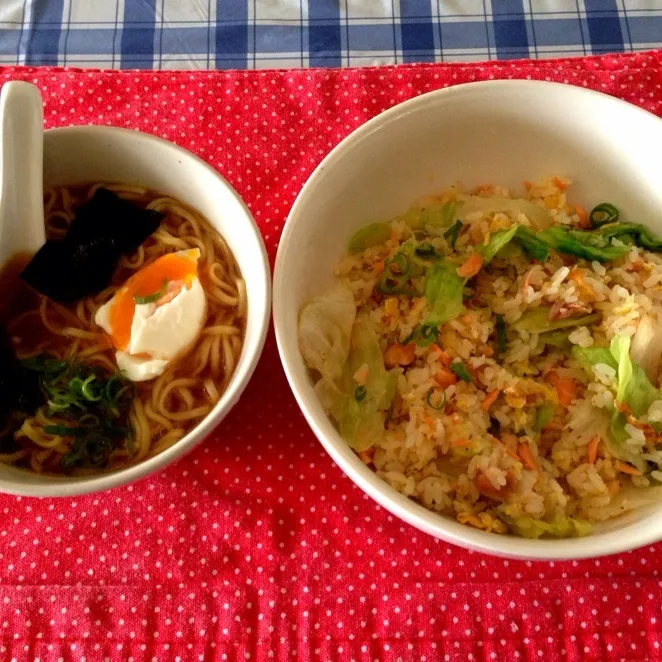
x=156 y=315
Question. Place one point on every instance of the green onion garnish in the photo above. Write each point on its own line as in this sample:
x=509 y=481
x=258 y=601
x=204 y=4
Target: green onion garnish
x=360 y=393
x=453 y=233
x=151 y=298
x=92 y=410
x=461 y=371
x=426 y=334
x=426 y=250
x=428 y=399
x=399 y=265
x=602 y=214
x=62 y=430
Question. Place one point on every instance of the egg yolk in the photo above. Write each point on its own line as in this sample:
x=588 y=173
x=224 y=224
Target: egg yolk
x=168 y=274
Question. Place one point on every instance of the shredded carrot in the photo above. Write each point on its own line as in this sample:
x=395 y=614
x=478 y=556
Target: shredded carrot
x=458 y=443
x=442 y=355
x=484 y=188
x=577 y=275
x=394 y=236
x=512 y=454
x=566 y=389
x=471 y=266
x=445 y=378
x=489 y=400
x=378 y=269
x=398 y=354
x=560 y=184
x=626 y=468
x=583 y=216
x=367 y=455
x=524 y=451
x=502 y=443
x=528 y=185
x=552 y=377
x=526 y=280
x=485 y=487
x=361 y=375
x=592 y=450
x=554 y=425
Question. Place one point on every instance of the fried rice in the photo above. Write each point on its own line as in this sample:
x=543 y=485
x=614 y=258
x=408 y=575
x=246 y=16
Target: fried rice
x=496 y=357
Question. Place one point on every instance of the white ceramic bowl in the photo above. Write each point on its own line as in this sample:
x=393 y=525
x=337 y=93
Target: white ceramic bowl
x=493 y=132
x=85 y=154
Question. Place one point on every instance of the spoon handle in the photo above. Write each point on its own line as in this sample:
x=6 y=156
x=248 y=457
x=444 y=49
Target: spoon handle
x=21 y=170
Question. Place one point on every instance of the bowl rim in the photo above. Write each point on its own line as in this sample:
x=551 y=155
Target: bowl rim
x=67 y=487
x=437 y=525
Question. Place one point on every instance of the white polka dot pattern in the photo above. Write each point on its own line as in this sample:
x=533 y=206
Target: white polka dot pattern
x=256 y=546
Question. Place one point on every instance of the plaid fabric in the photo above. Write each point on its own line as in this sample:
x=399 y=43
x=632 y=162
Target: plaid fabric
x=254 y=34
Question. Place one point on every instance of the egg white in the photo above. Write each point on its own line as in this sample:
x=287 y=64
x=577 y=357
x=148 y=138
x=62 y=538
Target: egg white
x=159 y=334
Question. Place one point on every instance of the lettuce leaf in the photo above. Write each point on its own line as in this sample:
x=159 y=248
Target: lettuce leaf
x=617 y=443
x=325 y=327
x=559 y=339
x=533 y=247
x=631 y=232
x=443 y=291
x=587 y=357
x=634 y=387
x=369 y=236
x=538 y=215
x=559 y=527
x=438 y=216
x=522 y=236
x=646 y=348
x=361 y=421
x=536 y=320
x=498 y=240
x=587 y=245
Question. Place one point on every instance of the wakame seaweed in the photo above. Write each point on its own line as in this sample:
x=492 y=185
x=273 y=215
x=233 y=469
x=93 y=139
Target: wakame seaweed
x=82 y=264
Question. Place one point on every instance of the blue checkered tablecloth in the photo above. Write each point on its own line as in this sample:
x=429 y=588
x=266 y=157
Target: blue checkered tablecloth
x=254 y=34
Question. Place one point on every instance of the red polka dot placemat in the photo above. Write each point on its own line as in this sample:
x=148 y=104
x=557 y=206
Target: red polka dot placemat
x=256 y=546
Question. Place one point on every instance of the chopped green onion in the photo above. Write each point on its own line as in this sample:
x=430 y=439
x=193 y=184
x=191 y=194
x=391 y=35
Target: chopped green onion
x=453 y=233
x=602 y=214
x=399 y=265
x=151 y=298
x=426 y=250
x=461 y=371
x=91 y=408
x=426 y=334
x=360 y=393
x=544 y=415
x=468 y=293
x=409 y=338
x=391 y=285
x=441 y=405
x=62 y=430
x=87 y=391
x=502 y=337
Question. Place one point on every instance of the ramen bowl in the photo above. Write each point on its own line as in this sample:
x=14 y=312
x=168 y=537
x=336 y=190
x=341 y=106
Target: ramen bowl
x=502 y=132
x=87 y=154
